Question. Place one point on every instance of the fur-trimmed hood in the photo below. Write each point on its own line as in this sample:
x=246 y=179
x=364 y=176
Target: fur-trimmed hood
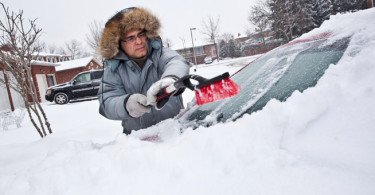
x=121 y=23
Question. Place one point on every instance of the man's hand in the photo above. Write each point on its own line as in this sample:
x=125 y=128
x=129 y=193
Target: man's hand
x=156 y=87
x=136 y=105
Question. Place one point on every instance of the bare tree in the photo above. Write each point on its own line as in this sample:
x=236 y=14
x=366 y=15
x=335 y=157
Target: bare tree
x=19 y=42
x=183 y=41
x=61 y=50
x=226 y=37
x=92 y=39
x=48 y=48
x=168 y=43
x=74 y=49
x=248 y=32
x=211 y=30
x=51 y=49
x=259 y=16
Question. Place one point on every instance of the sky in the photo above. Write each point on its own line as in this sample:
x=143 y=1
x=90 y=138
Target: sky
x=319 y=141
x=66 y=20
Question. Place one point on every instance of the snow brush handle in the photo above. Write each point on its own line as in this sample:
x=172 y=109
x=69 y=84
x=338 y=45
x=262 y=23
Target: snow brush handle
x=184 y=82
x=163 y=96
x=165 y=93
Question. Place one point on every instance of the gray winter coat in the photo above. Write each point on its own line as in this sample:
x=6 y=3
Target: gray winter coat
x=124 y=77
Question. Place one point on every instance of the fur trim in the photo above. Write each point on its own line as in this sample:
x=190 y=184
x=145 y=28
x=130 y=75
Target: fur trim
x=123 y=22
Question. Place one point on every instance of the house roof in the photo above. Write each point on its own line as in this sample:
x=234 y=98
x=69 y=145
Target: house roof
x=240 y=36
x=43 y=63
x=75 y=63
x=188 y=44
x=44 y=54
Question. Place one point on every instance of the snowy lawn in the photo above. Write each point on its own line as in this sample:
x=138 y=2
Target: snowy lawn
x=321 y=141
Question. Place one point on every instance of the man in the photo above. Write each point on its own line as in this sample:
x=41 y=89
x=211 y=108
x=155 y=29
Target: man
x=138 y=67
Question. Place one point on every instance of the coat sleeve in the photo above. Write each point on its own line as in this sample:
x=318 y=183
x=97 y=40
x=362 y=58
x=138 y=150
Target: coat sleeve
x=173 y=64
x=111 y=96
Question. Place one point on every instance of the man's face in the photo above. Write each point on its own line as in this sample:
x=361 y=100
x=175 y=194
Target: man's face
x=134 y=43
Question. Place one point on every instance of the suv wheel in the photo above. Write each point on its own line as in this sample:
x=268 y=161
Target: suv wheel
x=61 y=98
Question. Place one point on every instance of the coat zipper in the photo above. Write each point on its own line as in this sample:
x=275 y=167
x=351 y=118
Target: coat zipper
x=146 y=74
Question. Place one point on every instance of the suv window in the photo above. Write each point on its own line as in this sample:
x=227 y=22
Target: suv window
x=97 y=74
x=83 y=77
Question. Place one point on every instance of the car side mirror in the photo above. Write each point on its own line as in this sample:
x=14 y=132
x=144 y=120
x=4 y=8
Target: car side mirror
x=74 y=82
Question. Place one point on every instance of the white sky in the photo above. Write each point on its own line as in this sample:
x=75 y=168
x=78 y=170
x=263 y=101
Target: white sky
x=65 y=20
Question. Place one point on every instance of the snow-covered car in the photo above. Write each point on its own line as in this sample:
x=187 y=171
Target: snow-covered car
x=85 y=84
x=276 y=75
x=208 y=60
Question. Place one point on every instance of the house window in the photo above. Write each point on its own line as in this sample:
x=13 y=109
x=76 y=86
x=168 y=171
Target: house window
x=51 y=80
x=185 y=52
x=40 y=59
x=90 y=66
x=54 y=60
x=213 y=50
x=199 y=51
x=48 y=59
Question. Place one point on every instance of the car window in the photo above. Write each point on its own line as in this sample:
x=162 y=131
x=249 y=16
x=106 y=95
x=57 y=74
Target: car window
x=97 y=74
x=275 y=75
x=85 y=77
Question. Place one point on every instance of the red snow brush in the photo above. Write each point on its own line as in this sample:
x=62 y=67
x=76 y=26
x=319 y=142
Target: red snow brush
x=207 y=90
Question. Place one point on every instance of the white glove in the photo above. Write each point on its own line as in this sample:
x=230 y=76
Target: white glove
x=136 y=105
x=156 y=87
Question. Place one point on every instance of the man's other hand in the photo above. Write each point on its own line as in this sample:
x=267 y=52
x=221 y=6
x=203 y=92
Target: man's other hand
x=136 y=105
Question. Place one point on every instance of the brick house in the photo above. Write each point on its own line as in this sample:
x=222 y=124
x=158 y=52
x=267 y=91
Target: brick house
x=67 y=70
x=370 y=3
x=240 y=38
x=57 y=69
x=45 y=73
x=43 y=69
x=201 y=49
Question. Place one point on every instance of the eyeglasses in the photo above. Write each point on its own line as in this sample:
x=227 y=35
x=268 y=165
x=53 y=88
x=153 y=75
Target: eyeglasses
x=131 y=39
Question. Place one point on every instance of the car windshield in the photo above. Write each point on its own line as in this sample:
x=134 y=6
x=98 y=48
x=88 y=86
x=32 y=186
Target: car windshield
x=275 y=75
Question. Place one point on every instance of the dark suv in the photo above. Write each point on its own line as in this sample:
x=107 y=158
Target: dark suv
x=85 y=84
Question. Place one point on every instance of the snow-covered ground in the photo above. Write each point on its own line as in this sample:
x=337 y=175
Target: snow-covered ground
x=321 y=141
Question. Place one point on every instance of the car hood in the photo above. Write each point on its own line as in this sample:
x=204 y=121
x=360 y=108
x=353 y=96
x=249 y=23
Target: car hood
x=60 y=85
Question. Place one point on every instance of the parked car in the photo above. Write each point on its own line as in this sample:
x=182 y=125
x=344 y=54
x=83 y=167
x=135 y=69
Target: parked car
x=208 y=60
x=85 y=84
x=276 y=75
